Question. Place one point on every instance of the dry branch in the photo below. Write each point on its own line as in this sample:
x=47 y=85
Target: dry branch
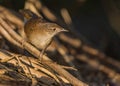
x=35 y=68
x=8 y=37
x=10 y=16
x=100 y=56
x=94 y=63
x=36 y=53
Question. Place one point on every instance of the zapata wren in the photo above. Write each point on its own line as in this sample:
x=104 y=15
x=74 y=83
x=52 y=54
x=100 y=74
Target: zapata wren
x=39 y=31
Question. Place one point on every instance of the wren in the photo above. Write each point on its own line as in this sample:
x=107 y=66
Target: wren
x=38 y=31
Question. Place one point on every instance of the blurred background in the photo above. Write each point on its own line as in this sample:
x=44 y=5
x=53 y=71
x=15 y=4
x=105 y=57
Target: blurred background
x=96 y=22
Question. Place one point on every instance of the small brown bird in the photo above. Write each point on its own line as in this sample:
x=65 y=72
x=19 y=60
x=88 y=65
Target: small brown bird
x=38 y=31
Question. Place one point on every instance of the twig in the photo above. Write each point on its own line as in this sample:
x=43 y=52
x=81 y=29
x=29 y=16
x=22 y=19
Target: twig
x=36 y=53
x=111 y=73
x=66 y=16
x=35 y=68
x=30 y=4
x=10 y=16
x=64 y=52
x=72 y=41
x=8 y=37
x=100 y=56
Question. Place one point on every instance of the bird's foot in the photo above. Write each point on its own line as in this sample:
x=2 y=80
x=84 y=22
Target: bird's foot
x=40 y=57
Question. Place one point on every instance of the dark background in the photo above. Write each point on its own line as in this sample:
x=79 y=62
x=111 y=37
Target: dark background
x=89 y=18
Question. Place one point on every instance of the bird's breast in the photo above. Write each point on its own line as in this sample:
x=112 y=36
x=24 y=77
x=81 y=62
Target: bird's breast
x=40 y=41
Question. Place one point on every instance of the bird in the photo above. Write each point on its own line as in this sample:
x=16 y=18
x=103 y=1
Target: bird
x=39 y=32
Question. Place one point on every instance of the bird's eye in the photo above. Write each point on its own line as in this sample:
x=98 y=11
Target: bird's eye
x=54 y=29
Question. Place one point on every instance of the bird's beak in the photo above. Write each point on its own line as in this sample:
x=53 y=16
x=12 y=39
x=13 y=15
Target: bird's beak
x=64 y=30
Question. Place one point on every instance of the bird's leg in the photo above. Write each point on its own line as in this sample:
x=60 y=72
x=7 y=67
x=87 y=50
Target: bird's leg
x=43 y=50
x=42 y=53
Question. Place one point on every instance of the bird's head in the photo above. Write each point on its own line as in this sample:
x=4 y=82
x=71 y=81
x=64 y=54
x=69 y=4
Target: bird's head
x=53 y=29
